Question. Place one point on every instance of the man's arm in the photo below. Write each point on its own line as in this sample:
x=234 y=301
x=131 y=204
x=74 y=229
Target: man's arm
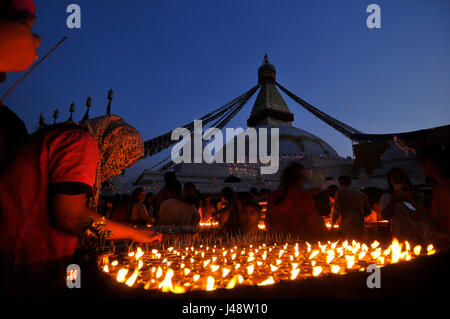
x=69 y=212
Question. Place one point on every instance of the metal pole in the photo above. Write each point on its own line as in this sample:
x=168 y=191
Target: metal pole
x=32 y=68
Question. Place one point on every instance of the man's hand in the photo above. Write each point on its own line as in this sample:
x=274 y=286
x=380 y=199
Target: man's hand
x=68 y=212
x=17 y=43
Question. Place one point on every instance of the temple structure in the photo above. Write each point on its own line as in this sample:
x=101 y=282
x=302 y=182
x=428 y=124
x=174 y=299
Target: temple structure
x=269 y=111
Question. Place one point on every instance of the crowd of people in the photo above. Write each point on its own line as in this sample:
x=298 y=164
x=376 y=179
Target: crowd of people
x=184 y=205
x=413 y=212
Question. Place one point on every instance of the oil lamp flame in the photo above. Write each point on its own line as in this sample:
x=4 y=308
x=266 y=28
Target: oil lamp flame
x=268 y=281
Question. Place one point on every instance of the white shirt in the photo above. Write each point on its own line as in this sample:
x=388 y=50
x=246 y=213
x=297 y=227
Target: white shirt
x=177 y=212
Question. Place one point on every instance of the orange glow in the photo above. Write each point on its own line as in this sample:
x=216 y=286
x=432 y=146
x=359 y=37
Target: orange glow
x=317 y=271
x=121 y=275
x=132 y=278
x=260 y=263
x=266 y=282
x=335 y=269
x=210 y=283
x=417 y=250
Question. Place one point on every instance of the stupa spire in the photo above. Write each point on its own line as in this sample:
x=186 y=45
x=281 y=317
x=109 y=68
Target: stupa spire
x=270 y=107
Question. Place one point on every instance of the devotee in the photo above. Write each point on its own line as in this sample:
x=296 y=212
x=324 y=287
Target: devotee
x=264 y=193
x=253 y=215
x=19 y=43
x=291 y=208
x=110 y=204
x=206 y=209
x=221 y=203
x=374 y=195
x=174 y=211
x=230 y=216
x=121 y=210
x=105 y=206
x=322 y=203
x=397 y=206
x=435 y=164
x=138 y=211
x=17 y=53
x=190 y=194
x=169 y=178
x=412 y=221
x=397 y=180
x=409 y=219
x=150 y=205
x=255 y=194
x=350 y=206
x=56 y=171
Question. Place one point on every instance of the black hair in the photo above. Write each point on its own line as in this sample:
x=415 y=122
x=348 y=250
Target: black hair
x=169 y=177
x=399 y=171
x=227 y=193
x=175 y=189
x=135 y=194
x=290 y=176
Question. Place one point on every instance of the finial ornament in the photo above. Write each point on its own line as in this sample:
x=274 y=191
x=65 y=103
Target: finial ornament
x=71 y=110
x=88 y=105
x=266 y=71
x=110 y=97
x=55 y=116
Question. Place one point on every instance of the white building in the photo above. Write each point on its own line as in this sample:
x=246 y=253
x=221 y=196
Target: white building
x=269 y=111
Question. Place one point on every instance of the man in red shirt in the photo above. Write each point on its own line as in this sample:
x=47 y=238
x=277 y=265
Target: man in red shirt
x=46 y=182
x=44 y=192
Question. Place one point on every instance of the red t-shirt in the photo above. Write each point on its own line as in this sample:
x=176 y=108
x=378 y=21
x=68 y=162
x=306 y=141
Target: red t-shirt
x=27 y=236
x=295 y=214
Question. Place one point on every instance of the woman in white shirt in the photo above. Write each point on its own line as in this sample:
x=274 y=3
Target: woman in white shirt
x=139 y=214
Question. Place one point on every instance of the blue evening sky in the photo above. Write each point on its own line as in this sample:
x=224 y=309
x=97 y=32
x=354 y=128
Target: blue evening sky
x=172 y=61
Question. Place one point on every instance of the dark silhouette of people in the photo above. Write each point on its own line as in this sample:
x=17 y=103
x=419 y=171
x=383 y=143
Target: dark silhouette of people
x=291 y=208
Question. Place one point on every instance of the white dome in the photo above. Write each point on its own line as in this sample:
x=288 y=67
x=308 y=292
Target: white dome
x=292 y=141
